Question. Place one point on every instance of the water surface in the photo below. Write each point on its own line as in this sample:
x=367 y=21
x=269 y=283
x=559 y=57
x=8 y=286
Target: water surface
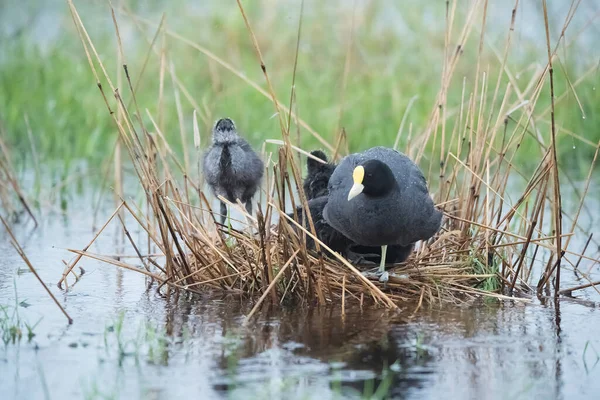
x=197 y=347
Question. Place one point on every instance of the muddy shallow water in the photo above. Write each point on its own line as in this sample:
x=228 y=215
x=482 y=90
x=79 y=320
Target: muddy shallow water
x=128 y=342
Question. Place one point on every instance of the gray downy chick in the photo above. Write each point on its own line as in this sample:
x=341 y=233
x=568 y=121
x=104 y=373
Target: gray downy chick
x=231 y=167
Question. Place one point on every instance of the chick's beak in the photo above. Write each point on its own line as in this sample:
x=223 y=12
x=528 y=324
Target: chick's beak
x=358 y=176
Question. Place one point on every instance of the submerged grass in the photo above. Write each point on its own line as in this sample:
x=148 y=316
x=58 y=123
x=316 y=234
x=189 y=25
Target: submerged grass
x=11 y=193
x=468 y=146
x=12 y=326
x=151 y=342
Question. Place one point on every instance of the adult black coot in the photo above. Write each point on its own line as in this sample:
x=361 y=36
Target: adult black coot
x=316 y=189
x=378 y=198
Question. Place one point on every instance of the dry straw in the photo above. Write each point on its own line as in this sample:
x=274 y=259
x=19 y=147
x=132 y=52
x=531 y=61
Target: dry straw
x=487 y=245
x=9 y=185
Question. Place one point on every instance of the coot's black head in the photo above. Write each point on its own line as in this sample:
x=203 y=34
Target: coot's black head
x=313 y=165
x=224 y=131
x=372 y=178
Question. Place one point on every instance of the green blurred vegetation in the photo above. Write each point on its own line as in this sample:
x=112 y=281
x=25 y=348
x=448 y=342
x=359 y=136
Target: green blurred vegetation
x=390 y=62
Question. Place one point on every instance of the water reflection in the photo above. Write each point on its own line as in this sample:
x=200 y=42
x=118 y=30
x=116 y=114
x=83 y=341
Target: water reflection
x=506 y=350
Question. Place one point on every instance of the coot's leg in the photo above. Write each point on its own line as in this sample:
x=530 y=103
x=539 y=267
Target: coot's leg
x=223 y=212
x=384 y=275
x=249 y=206
x=247 y=197
x=382 y=264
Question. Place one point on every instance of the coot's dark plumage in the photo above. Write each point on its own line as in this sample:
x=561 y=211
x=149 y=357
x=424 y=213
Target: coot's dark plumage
x=316 y=189
x=231 y=167
x=337 y=242
x=378 y=198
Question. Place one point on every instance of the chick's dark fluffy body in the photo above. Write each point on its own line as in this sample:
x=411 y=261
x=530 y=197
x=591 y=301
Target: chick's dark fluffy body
x=315 y=188
x=233 y=170
x=326 y=234
x=318 y=174
x=231 y=167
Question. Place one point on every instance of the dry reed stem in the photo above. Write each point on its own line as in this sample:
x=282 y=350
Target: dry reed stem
x=74 y=263
x=21 y=253
x=339 y=131
x=584 y=286
x=10 y=177
x=270 y=287
x=556 y=186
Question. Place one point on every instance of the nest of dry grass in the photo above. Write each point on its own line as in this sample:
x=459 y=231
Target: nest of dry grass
x=438 y=270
